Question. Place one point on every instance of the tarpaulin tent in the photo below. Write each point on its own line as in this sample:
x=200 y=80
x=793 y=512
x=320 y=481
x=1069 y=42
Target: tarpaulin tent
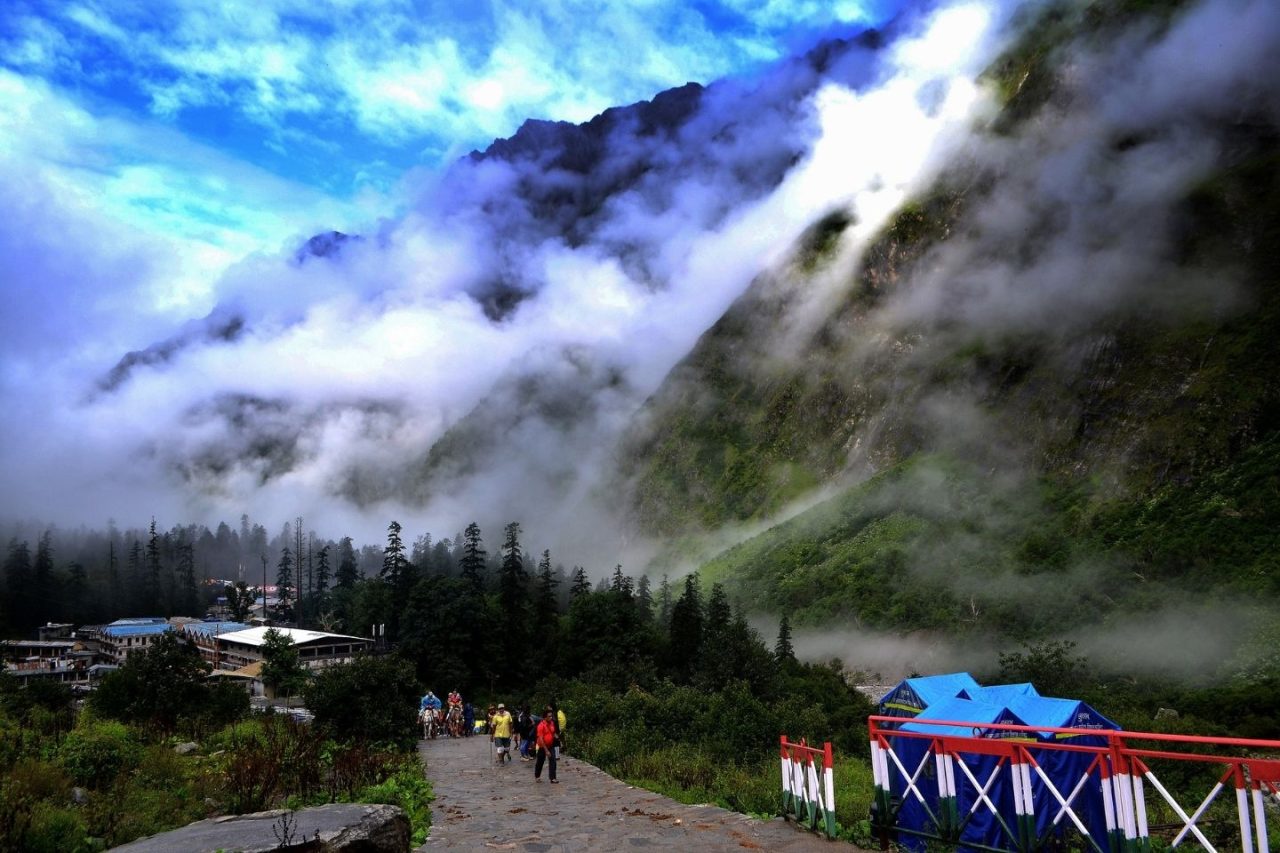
x=964 y=816
x=1065 y=769
x=913 y=695
x=1001 y=694
x=977 y=826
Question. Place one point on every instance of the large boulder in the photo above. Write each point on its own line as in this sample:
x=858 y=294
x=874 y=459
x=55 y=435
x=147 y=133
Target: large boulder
x=336 y=828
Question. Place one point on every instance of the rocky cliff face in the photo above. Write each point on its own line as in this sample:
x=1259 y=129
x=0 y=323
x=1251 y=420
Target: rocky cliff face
x=1074 y=323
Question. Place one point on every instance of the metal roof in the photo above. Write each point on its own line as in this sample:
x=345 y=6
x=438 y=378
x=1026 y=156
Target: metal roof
x=254 y=636
x=144 y=630
x=210 y=629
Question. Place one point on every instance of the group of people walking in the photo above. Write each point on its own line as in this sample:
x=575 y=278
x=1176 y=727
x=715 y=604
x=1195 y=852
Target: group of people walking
x=536 y=738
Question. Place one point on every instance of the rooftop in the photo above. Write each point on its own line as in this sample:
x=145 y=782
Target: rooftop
x=254 y=636
x=210 y=629
x=135 y=630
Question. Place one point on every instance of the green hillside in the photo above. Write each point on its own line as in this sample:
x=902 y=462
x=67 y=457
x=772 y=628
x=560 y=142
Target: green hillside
x=1106 y=453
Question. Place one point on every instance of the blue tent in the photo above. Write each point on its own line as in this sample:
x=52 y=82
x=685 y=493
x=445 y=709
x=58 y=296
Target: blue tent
x=977 y=826
x=1065 y=769
x=913 y=695
x=1006 y=704
x=1002 y=694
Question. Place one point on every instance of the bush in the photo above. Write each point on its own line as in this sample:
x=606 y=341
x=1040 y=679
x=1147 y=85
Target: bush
x=371 y=699
x=409 y=789
x=96 y=752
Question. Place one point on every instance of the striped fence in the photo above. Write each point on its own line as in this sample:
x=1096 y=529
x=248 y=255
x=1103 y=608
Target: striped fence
x=1116 y=770
x=808 y=793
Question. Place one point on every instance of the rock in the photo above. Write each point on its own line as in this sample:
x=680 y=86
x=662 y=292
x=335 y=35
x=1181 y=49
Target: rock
x=79 y=796
x=335 y=828
x=186 y=748
x=1166 y=714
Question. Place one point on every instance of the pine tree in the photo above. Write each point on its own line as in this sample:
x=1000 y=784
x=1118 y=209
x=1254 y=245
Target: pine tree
x=188 y=593
x=686 y=630
x=113 y=577
x=782 y=650
x=544 y=605
x=284 y=578
x=77 y=589
x=43 y=593
x=322 y=572
x=617 y=582
x=137 y=579
x=513 y=579
x=348 y=570
x=664 y=602
x=580 y=585
x=393 y=558
x=719 y=614
x=151 y=576
x=17 y=571
x=644 y=599
x=471 y=566
x=513 y=582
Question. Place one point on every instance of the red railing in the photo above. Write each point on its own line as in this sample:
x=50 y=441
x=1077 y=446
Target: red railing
x=1114 y=770
x=808 y=794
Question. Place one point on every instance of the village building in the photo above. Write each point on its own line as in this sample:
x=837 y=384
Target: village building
x=316 y=649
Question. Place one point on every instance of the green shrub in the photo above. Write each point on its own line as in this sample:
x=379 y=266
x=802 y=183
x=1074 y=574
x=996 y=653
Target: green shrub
x=97 y=751
x=409 y=789
x=55 y=829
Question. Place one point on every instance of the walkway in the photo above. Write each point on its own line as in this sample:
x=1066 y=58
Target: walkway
x=482 y=806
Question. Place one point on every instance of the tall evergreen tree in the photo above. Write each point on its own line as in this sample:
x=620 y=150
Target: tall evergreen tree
x=783 y=651
x=348 y=569
x=188 y=593
x=686 y=631
x=322 y=572
x=513 y=580
x=618 y=581
x=393 y=558
x=664 y=602
x=284 y=578
x=471 y=566
x=545 y=601
x=43 y=584
x=17 y=571
x=113 y=598
x=151 y=576
x=644 y=599
x=513 y=597
x=137 y=579
x=580 y=585
x=719 y=614
x=77 y=592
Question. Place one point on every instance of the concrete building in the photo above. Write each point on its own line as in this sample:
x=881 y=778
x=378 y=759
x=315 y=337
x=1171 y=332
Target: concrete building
x=204 y=636
x=316 y=649
x=125 y=637
x=65 y=661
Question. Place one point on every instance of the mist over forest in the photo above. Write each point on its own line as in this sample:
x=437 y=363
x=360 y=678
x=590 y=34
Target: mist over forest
x=916 y=331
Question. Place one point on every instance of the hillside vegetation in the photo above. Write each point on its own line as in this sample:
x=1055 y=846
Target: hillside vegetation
x=1071 y=396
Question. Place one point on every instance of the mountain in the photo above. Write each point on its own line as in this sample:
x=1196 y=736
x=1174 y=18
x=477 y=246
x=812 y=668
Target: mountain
x=1044 y=393
x=916 y=330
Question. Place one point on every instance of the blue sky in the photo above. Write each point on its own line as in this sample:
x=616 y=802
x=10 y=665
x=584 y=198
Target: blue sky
x=236 y=125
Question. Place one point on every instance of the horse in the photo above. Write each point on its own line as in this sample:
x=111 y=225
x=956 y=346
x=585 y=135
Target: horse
x=430 y=719
x=454 y=721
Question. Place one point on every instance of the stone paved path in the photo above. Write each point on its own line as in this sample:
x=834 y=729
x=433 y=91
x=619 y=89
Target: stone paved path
x=480 y=806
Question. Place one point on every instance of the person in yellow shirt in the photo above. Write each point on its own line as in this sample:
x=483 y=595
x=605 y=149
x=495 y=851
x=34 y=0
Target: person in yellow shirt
x=501 y=732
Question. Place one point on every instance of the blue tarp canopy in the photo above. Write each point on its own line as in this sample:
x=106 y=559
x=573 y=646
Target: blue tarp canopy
x=957 y=698
x=958 y=710
x=1002 y=694
x=981 y=827
x=913 y=695
x=1059 y=714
